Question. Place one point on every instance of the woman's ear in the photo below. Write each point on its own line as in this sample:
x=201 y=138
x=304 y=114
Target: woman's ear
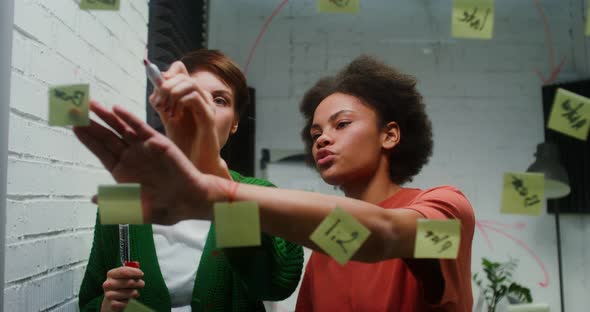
x=391 y=135
x=234 y=126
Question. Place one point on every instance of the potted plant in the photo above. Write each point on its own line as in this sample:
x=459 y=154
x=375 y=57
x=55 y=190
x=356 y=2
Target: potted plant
x=499 y=284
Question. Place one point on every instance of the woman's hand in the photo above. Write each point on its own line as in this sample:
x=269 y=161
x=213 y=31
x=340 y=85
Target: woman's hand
x=188 y=114
x=171 y=186
x=121 y=285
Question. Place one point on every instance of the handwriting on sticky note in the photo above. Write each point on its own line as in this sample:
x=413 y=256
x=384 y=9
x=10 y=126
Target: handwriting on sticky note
x=338 y=6
x=136 y=306
x=473 y=19
x=68 y=105
x=237 y=224
x=437 y=239
x=340 y=235
x=99 y=4
x=523 y=193
x=570 y=114
x=120 y=204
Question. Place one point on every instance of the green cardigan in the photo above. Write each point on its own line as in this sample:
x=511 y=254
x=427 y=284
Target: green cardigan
x=230 y=279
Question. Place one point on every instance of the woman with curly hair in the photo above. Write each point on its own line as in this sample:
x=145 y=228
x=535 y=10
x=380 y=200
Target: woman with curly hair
x=366 y=132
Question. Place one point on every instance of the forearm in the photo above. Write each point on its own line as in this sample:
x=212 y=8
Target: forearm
x=294 y=215
x=205 y=156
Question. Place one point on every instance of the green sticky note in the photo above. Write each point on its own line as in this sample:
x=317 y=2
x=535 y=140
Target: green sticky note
x=100 y=5
x=570 y=114
x=473 y=19
x=528 y=307
x=338 y=6
x=120 y=204
x=523 y=193
x=237 y=224
x=588 y=18
x=340 y=235
x=437 y=239
x=136 y=306
x=68 y=105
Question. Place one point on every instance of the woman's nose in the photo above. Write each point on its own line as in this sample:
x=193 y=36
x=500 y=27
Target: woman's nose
x=323 y=140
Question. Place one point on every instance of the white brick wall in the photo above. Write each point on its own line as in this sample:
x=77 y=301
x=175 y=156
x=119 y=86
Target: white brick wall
x=484 y=98
x=50 y=175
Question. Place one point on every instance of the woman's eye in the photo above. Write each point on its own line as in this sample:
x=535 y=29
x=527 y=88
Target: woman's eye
x=315 y=136
x=220 y=101
x=342 y=124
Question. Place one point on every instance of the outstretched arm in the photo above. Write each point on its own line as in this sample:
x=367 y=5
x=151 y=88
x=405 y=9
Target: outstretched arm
x=173 y=190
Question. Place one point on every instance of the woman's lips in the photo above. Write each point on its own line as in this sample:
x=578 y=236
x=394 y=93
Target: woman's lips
x=325 y=160
x=323 y=157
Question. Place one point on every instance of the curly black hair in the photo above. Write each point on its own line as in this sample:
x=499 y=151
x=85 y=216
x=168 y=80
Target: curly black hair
x=393 y=96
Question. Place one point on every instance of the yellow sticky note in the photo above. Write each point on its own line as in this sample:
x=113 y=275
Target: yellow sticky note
x=338 y=6
x=340 y=235
x=528 y=307
x=473 y=19
x=437 y=239
x=523 y=193
x=136 y=306
x=570 y=114
x=120 y=204
x=237 y=224
x=68 y=105
x=588 y=18
x=100 y=5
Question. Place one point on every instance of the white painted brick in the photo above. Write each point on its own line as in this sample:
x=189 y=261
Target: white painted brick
x=47 y=232
x=27 y=177
x=20 y=52
x=46 y=292
x=141 y=7
x=35 y=217
x=42 y=30
x=33 y=257
x=65 y=11
x=28 y=96
x=51 y=67
x=135 y=21
x=33 y=138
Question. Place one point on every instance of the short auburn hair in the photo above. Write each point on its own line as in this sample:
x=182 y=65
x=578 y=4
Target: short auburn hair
x=393 y=96
x=226 y=69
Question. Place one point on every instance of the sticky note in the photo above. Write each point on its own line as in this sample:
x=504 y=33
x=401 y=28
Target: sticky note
x=338 y=6
x=528 y=307
x=523 y=193
x=68 y=105
x=100 y=5
x=588 y=18
x=473 y=19
x=340 y=235
x=120 y=204
x=136 y=306
x=237 y=224
x=437 y=239
x=570 y=114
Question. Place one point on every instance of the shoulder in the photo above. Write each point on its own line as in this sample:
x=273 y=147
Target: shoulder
x=446 y=199
x=249 y=180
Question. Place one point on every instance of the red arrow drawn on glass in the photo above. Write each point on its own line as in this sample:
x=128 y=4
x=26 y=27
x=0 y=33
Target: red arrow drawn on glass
x=264 y=27
x=484 y=225
x=549 y=43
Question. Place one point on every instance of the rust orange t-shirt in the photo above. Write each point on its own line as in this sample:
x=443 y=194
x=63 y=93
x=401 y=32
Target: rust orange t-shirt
x=391 y=285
